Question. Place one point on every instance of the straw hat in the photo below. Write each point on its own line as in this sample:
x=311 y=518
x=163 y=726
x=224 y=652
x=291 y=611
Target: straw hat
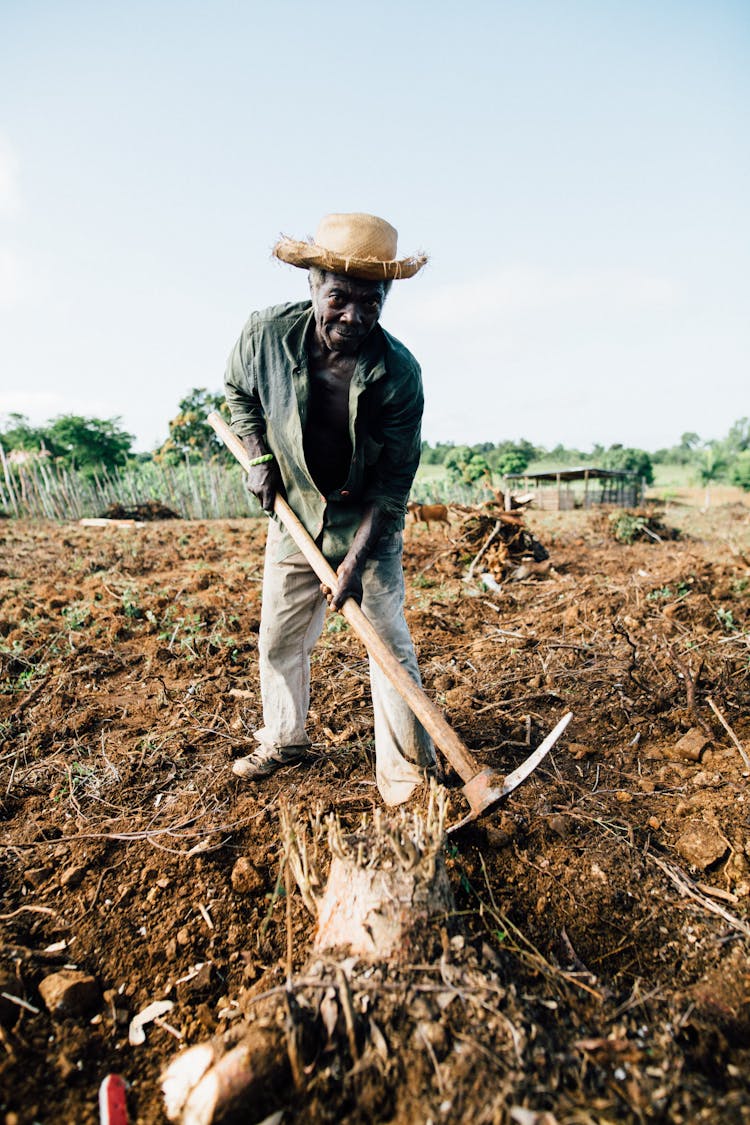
x=357 y=245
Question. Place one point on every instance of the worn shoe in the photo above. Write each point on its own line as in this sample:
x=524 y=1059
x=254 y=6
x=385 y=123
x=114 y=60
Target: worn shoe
x=266 y=760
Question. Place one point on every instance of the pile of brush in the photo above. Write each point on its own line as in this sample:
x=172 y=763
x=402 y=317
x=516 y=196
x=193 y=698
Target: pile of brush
x=632 y=525
x=498 y=545
x=144 y=512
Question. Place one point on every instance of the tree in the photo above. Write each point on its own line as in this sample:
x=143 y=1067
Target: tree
x=81 y=443
x=513 y=460
x=739 y=472
x=18 y=433
x=465 y=466
x=629 y=460
x=435 y=455
x=89 y=443
x=711 y=466
x=190 y=435
x=738 y=438
x=685 y=453
x=689 y=440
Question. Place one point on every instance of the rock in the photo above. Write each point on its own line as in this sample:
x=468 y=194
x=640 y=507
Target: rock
x=690 y=747
x=579 y=750
x=70 y=993
x=571 y=615
x=704 y=780
x=246 y=878
x=701 y=844
x=459 y=698
x=35 y=876
x=72 y=876
x=560 y=824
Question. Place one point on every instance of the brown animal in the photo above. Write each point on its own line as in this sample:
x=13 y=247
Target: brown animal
x=423 y=513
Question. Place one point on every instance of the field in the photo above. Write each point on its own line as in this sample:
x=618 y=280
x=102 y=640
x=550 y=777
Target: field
x=595 y=968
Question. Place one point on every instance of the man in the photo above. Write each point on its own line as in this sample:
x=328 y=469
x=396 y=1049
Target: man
x=328 y=406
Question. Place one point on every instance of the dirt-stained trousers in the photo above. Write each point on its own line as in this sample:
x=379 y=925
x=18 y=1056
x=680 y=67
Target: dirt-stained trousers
x=292 y=615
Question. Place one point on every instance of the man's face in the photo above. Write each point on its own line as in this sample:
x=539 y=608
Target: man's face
x=346 y=311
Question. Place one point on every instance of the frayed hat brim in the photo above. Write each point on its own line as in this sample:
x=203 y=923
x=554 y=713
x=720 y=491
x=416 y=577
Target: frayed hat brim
x=307 y=254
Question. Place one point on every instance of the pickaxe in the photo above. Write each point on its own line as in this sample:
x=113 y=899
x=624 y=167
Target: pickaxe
x=482 y=788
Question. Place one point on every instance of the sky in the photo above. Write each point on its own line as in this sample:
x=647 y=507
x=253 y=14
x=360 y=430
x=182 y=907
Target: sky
x=578 y=172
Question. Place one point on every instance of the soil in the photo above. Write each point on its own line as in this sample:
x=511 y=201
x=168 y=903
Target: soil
x=596 y=965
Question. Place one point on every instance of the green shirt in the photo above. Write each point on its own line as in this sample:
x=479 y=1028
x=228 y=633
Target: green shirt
x=267 y=388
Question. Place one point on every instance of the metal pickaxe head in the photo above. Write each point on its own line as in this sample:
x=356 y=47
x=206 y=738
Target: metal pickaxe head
x=489 y=786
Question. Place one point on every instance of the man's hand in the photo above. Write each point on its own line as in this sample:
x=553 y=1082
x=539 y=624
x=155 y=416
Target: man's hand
x=263 y=480
x=349 y=574
x=349 y=585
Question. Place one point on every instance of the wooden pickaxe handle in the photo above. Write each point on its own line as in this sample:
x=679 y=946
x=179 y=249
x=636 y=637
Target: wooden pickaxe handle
x=430 y=716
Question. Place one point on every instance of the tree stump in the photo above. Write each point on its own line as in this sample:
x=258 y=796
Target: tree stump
x=387 y=879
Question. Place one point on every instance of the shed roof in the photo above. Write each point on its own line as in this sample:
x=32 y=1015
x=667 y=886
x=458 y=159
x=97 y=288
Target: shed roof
x=581 y=472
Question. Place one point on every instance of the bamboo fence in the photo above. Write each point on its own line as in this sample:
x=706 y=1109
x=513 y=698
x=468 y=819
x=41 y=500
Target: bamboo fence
x=45 y=489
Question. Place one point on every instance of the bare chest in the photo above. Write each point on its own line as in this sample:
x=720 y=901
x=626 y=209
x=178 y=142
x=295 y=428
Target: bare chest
x=328 y=405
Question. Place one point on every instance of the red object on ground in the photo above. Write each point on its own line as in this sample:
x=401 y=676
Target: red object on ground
x=113 y=1106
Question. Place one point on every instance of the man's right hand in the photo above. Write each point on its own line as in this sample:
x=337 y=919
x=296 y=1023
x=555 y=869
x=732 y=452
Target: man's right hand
x=263 y=480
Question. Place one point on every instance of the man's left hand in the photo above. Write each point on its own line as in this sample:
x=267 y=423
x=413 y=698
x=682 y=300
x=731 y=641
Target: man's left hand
x=349 y=585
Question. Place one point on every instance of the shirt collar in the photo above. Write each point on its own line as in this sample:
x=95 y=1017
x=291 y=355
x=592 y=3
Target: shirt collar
x=294 y=339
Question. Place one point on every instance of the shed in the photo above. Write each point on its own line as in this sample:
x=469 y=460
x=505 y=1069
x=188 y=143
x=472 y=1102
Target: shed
x=580 y=487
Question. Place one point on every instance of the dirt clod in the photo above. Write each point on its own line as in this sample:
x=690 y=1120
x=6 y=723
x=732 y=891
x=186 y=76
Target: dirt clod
x=70 y=993
x=701 y=844
x=246 y=879
x=691 y=745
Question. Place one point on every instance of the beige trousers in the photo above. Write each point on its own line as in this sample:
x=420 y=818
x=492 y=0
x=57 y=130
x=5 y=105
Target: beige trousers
x=292 y=615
